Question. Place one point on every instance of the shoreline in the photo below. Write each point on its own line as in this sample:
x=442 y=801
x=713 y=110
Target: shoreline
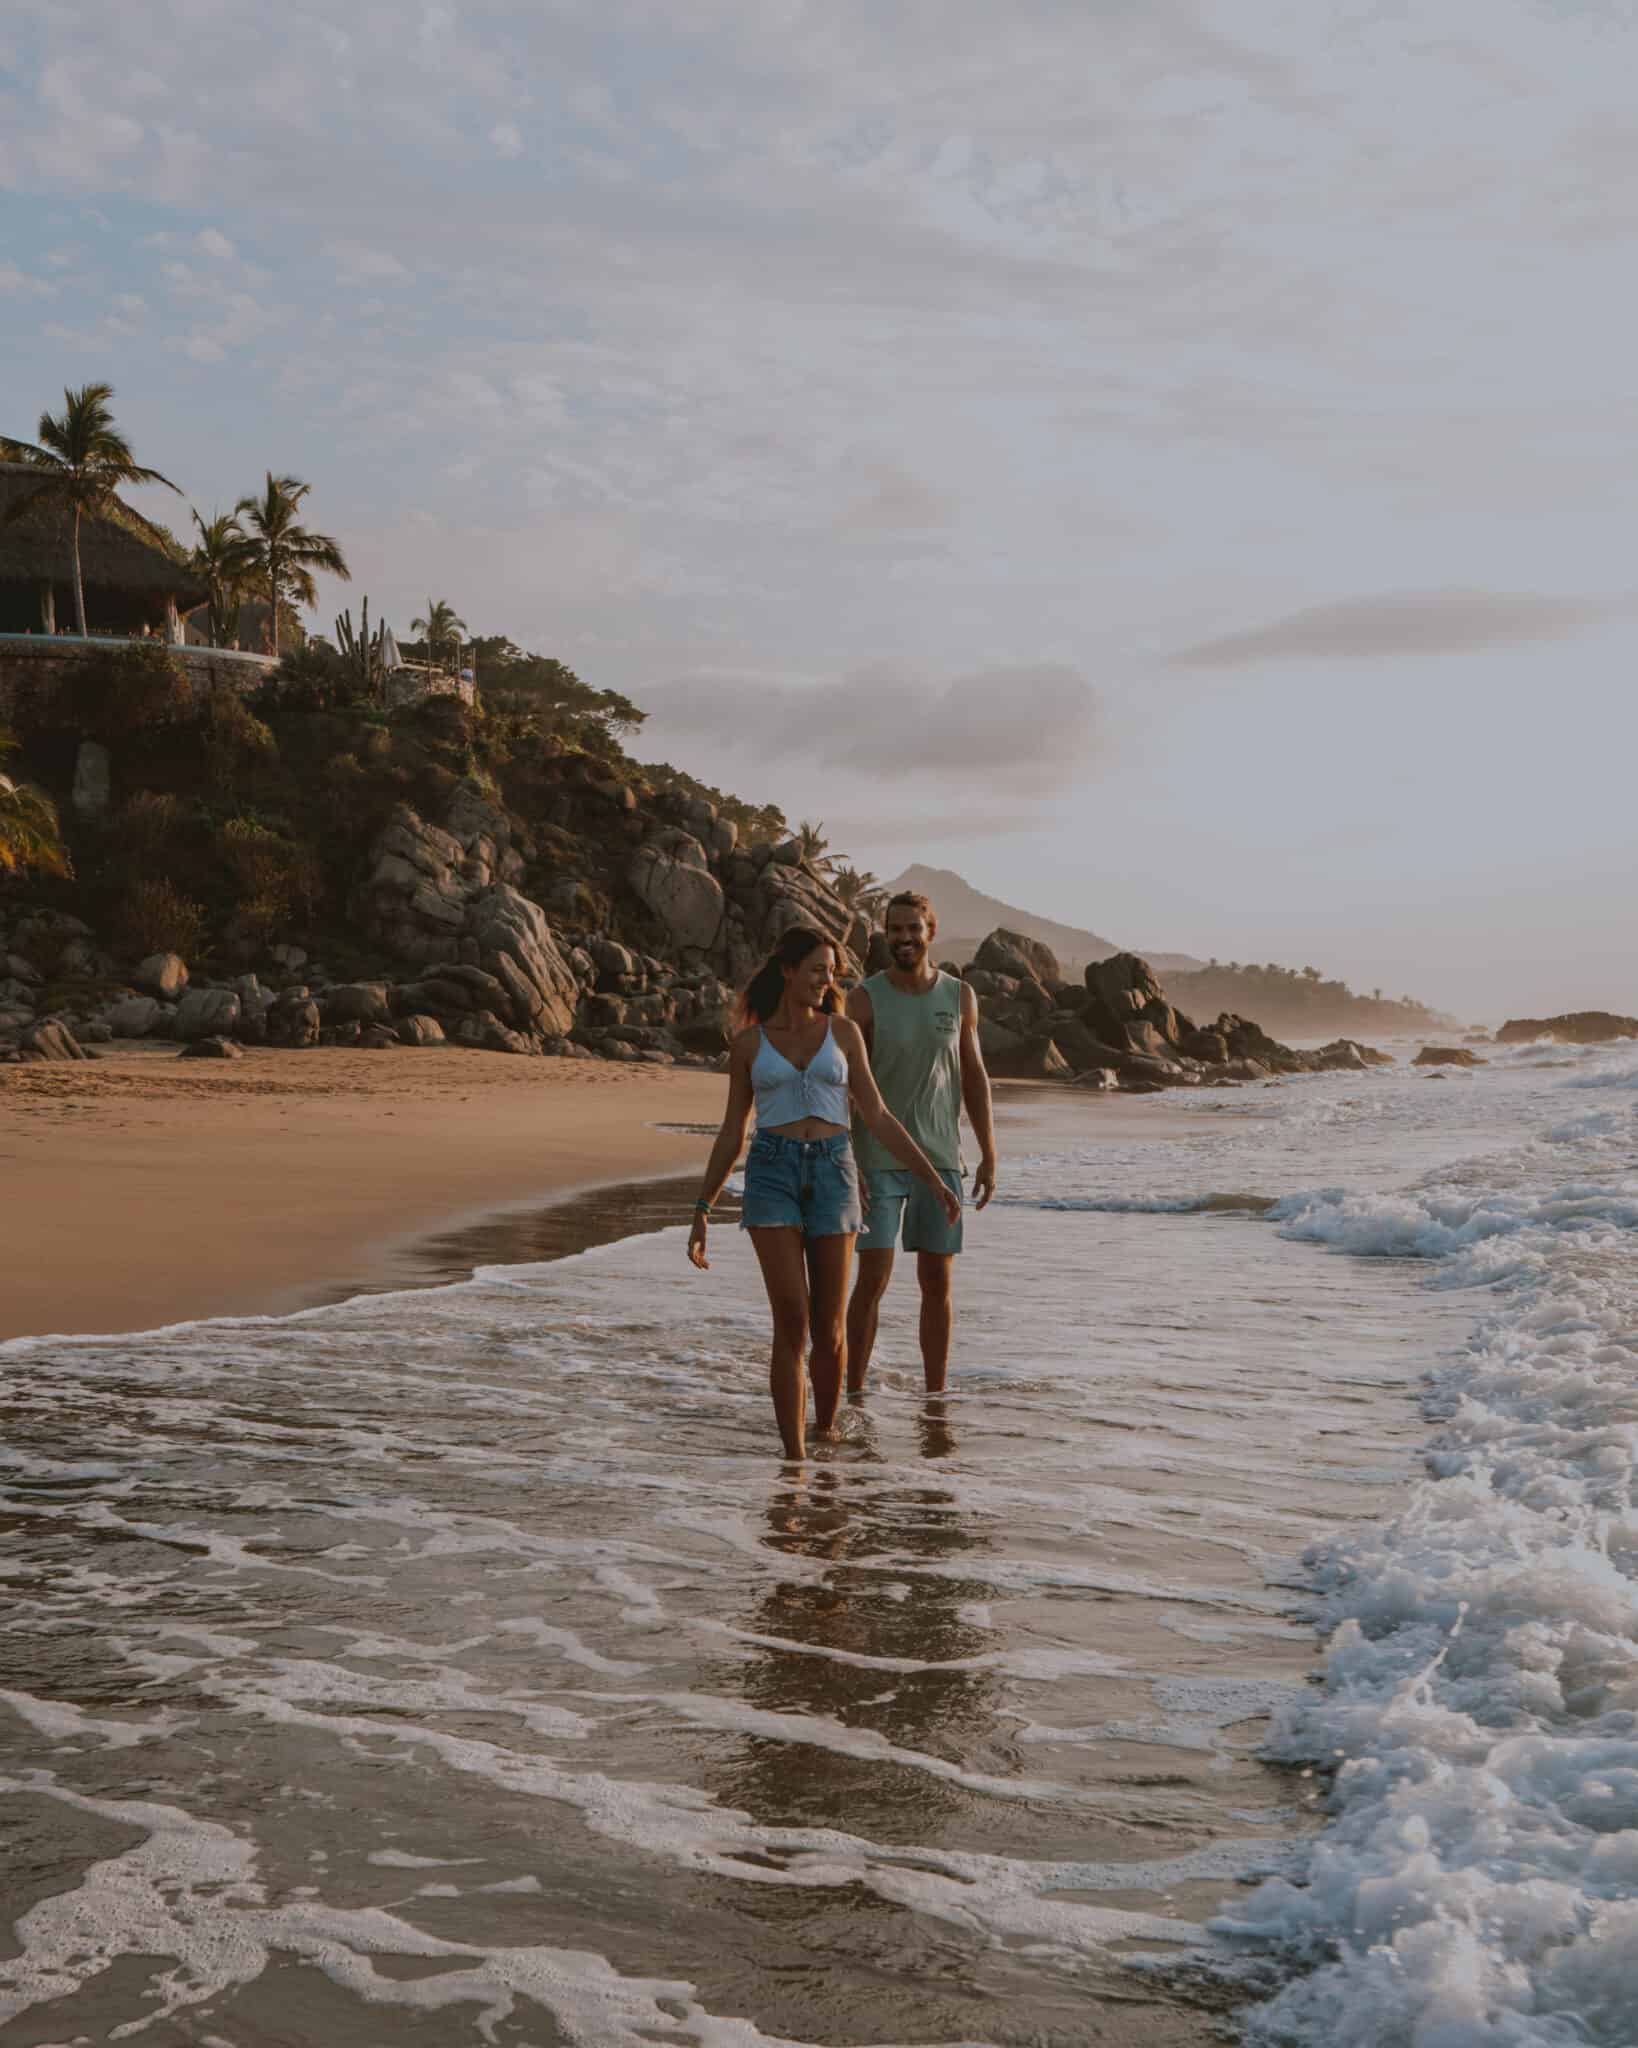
x=156 y=1191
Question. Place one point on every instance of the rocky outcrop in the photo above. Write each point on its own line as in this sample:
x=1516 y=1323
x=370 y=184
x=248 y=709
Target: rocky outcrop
x=1119 y=1029
x=134 y=1018
x=1577 y=1027
x=1448 y=1056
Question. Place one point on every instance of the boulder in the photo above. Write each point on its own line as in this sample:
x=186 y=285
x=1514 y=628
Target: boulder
x=51 y=1039
x=516 y=945
x=15 y=968
x=294 y=1020
x=93 y=780
x=1347 y=1055
x=378 y=1037
x=212 y=1048
x=1024 y=959
x=1100 y=1079
x=1448 y=1056
x=1126 y=1006
x=207 y=1013
x=1576 y=1027
x=420 y=1030
x=357 y=1002
x=686 y=897
x=1034 y=1059
x=136 y=1017
x=162 y=974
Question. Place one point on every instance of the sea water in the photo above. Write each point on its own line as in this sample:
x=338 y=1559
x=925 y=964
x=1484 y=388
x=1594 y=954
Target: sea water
x=462 y=1665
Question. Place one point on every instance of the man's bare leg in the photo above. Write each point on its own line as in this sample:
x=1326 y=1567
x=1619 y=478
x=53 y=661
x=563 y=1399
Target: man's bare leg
x=933 y=1271
x=830 y=1260
x=863 y=1313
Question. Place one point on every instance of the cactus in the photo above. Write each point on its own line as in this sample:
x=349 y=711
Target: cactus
x=363 y=651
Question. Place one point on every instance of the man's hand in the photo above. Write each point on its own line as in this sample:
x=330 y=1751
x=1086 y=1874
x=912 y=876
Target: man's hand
x=984 y=1181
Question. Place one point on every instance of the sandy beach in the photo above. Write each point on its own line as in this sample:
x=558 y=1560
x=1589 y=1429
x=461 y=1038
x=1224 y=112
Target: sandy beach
x=148 y=1190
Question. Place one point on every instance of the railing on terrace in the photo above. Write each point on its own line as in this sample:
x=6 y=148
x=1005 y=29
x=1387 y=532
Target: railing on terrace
x=62 y=643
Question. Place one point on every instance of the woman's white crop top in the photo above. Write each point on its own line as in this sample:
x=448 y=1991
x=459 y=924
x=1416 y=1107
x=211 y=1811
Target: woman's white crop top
x=785 y=1094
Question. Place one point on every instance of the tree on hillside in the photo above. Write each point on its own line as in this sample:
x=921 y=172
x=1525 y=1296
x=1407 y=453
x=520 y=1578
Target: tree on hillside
x=441 y=628
x=280 y=553
x=811 y=838
x=221 y=556
x=30 y=836
x=859 y=889
x=83 y=461
x=547 y=687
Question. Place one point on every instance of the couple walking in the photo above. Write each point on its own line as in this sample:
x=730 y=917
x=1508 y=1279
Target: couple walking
x=899 y=1063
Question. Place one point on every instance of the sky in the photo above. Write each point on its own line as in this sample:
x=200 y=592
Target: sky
x=1171 y=461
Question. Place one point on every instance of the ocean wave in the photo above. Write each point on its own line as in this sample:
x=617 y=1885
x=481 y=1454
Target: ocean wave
x=1478 y=1884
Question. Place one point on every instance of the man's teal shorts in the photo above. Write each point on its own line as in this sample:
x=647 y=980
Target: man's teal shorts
x=899 y=1201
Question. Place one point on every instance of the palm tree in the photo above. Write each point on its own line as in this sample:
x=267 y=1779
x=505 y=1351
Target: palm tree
x=221 y=558
x=811 y=839
x=84 y=460
x=440 y=627
x=30 y=836
x=859 y=889
x=280 y=554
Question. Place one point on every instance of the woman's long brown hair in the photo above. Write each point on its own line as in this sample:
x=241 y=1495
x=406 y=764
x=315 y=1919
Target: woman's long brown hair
x=766 y=988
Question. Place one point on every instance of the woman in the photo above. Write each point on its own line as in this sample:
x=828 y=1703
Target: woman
x=799 y=1062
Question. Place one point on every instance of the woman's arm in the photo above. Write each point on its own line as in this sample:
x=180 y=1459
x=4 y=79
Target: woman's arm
x=730 y=1140
x=880 y=1121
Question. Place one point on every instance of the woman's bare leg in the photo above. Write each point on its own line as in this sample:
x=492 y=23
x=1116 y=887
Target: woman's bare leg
x=830 y=1261
x=784 y=1274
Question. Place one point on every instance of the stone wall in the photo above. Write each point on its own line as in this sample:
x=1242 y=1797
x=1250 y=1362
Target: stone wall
x=208 y=668
x=413 y=686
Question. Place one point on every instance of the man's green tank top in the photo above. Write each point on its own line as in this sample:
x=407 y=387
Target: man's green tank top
x=915 y=1052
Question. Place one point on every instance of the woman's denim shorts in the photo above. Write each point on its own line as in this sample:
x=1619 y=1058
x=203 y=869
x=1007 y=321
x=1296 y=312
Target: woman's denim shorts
x=807 y=1184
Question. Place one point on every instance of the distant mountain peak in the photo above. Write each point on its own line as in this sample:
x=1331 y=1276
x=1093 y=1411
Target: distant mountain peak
x=966 y=915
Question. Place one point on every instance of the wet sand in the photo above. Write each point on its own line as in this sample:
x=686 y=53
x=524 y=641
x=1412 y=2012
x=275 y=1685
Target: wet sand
x=143 y=1190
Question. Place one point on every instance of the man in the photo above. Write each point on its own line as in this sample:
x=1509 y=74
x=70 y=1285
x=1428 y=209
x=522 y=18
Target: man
x=921 y=1027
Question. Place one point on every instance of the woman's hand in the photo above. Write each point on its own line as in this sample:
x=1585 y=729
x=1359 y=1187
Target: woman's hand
x=696 y=1242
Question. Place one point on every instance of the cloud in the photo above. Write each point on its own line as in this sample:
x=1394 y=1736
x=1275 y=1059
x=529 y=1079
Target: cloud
x=358 y=264
x=1406 y=622
x=214 y=243
x=897 y=502
x=14 y=280
x=506 y=138
x=1026 y=730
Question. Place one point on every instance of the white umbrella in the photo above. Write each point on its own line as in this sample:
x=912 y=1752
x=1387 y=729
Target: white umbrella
x=390 y=656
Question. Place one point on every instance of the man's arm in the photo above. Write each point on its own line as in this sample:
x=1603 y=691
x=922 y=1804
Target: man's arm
x=862 y=1011
x=975 y=1094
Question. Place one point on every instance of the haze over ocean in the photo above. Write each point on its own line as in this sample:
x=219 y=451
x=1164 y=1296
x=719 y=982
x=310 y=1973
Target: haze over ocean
x=1167 y=462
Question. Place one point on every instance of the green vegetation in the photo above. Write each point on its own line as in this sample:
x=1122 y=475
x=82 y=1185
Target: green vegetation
x=1295 y=1002
x=83 y=461
x=442 y=631
x=279 y=553
x=222 y=559
x=30 y=835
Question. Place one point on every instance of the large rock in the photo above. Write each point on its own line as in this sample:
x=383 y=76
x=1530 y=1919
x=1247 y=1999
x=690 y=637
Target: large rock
x=357 y=1002
x=516 y=945
x=1126 y=1006
x=681 y=892
x=51 y=1039
x=207 y=1013
x=1576 y=1027
x=294 y=1020
x=213 y=1048
x=93 y=780
x=1448 y=1056
x=1033 y=1059
x=162 y=974
x=1347 y=1055
x=420 y=1030
x=1024 y=959
x=136 y=1017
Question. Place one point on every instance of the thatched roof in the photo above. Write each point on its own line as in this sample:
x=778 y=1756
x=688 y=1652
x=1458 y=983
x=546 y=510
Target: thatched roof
x=118 y=552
